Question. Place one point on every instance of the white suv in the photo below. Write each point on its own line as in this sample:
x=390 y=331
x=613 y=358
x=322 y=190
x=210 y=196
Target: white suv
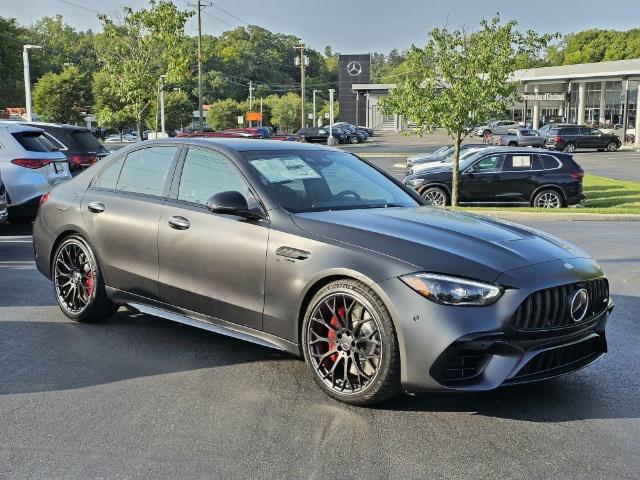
x=30 y=165
x=498 y=127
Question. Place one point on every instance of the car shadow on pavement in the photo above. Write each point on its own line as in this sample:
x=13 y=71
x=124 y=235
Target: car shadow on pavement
x=42 y=356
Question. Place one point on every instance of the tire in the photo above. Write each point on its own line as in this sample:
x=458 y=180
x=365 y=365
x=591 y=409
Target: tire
x=353 y=140
x=569 y=148
x=85 y=300
x=548 y=198
x=435 y=196
x=366 y=379
x=612 y=147
x=513 y=144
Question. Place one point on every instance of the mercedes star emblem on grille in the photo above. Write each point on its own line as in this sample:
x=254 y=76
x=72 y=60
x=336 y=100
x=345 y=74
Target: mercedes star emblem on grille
x=579 y=305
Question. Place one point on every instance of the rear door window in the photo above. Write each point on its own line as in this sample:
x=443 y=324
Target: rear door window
x=34 y=141
x=518 y=162
x=108 y=178
x=147 y=171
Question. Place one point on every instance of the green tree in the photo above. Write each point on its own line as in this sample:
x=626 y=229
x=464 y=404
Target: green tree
x=461 y=79
x=285 y=111
x=178 y=111
x=111 y=111
x=224 y=114
x=594 y=45
x=62 y=97
x=147 y=44
x=11 y=84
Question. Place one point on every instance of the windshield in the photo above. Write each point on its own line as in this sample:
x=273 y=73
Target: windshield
x=318 y=180
x=463 y=154
x=442 y=149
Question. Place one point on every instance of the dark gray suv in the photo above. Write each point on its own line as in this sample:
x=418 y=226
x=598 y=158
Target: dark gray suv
x=314 y=252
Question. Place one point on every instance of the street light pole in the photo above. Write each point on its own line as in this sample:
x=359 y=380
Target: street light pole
x=331 y=140
x=250 y=100
x=303 y=61
x=27 y=79
x=315 y=120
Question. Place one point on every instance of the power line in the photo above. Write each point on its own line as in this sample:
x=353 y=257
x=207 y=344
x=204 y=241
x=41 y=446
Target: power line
x=80 y=6
x=231 y=14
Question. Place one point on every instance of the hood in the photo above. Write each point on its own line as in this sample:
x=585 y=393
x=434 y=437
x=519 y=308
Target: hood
x=438 y=167
x=441 y=241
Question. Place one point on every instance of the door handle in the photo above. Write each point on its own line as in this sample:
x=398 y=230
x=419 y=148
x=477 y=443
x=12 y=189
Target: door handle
x=179 y=223
x=96 y=207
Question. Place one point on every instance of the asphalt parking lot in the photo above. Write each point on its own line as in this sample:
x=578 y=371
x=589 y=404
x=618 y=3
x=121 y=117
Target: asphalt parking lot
x=143 y=397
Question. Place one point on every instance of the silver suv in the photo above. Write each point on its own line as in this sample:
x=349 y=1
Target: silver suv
x=3 y=202
x=30 y=165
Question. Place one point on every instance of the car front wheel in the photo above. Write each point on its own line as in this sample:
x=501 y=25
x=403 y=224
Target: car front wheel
x=77 y=281
x=350 y=344
x=612 y=147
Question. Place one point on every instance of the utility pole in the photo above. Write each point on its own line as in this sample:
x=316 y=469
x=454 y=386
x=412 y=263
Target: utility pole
x=27 y=79
x=303 y=62
x=315 y=120
x=250 y=100
x=260 y=111
x=200 y=5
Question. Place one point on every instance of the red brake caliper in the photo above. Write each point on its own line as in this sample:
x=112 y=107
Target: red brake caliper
x=335 y=324
x=88 y=282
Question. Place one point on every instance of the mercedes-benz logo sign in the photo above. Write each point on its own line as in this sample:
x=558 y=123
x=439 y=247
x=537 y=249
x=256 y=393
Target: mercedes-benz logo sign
x=579 y=305
x=354 y=68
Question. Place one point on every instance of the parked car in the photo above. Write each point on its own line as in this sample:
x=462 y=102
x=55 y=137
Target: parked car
x=321 y=134
x=544 y=130
x=78 y=144
x=315 y=252
x=520 y=137
x=448 y=160
x=497 y=127
x=4 y=213
x=569 y=139
x=126 y=138
x=30 y=166
x=367 y=131
x=440 y=154
x=353 y=134
x=502 y=175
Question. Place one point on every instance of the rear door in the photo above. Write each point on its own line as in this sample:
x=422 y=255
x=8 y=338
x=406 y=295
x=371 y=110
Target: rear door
x=121 y=210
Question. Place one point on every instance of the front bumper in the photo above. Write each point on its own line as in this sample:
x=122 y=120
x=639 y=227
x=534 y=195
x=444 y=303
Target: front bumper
x=477 y=348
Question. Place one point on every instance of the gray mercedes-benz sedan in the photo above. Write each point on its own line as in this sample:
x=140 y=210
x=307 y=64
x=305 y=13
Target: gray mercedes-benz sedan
x=313 y=251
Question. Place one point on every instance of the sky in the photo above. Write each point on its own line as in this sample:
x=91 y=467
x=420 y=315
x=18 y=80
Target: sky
x=356 y=26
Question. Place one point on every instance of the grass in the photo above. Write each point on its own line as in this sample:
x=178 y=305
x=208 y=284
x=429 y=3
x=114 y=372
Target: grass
x=604 y=195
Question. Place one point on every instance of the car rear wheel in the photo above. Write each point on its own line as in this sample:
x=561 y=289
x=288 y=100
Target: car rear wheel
x=77 y=282
x=548 y=199
x=612 y=147
x=435 y=196
x=350 y=344
x=570 y=147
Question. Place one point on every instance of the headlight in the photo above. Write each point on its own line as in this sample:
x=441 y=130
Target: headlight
x=414 y=182
x=446 y=290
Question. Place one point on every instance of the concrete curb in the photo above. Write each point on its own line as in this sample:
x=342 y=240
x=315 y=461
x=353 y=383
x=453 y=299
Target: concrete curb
x=565 y=217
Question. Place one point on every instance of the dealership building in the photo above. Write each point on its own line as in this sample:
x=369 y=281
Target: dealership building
x=604 y=93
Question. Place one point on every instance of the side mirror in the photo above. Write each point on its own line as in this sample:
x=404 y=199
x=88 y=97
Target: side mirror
x=231 y=203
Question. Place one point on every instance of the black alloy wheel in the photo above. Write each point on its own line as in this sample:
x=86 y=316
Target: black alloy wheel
x=350 y=345
x=78 y=284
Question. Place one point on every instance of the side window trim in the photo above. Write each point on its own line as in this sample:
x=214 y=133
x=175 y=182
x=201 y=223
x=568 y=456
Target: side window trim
x=175 y=185
x=124 y=157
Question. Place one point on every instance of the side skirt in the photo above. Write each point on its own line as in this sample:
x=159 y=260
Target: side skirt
x=198 y=320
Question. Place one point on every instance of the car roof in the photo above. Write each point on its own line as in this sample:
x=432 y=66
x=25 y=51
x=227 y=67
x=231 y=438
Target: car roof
x=240 y=144
x=55 y=125
x=516 y=150
x=14 y=126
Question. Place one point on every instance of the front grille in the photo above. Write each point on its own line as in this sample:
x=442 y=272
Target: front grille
x=562 y=359
x=464 y=366
x=550 y=308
